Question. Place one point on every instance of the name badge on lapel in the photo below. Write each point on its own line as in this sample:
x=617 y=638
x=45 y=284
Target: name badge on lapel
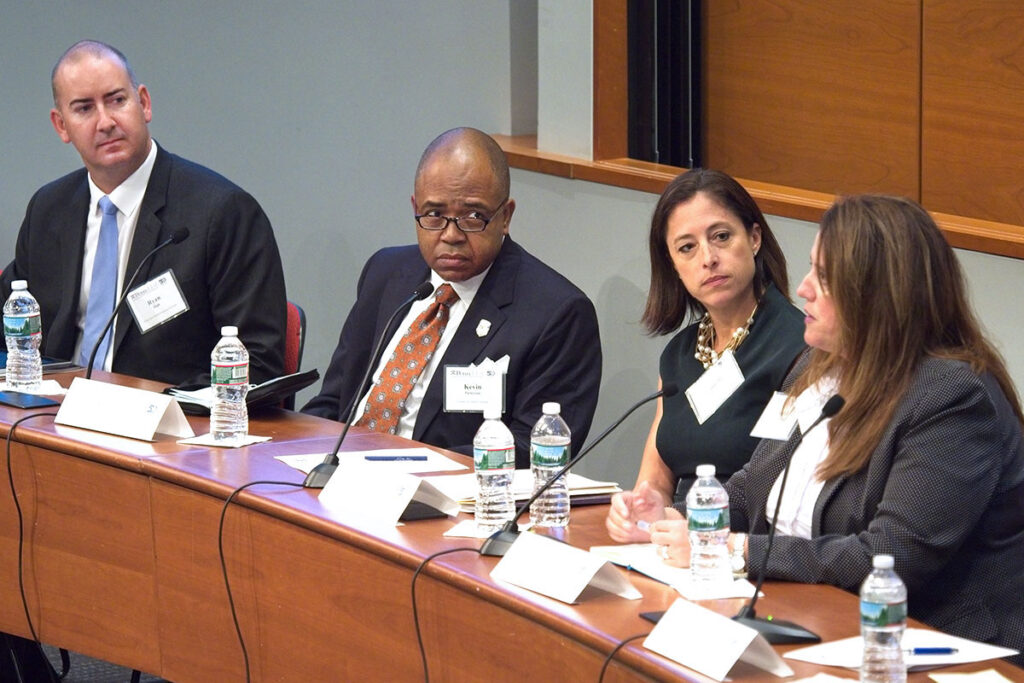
x=155 y=302
x=714 y=386
x=471 y=388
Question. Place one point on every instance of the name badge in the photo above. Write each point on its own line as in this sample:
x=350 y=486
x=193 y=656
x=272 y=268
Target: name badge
x=776 y=422
x=469 y=389
x=713 y=387
x=157 y=301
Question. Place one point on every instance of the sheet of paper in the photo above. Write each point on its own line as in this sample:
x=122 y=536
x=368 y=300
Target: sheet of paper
x=435 y=462
x=462 y=487
x=847 y=652
x=208 y=440
x=986 y=676
x=643 y=558
x=48 y=387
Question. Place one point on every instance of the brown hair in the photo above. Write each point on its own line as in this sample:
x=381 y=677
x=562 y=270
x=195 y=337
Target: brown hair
x=899 y=295
x=668 y=302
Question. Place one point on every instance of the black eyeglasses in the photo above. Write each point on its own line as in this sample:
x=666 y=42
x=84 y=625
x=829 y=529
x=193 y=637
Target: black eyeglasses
x=430 y=221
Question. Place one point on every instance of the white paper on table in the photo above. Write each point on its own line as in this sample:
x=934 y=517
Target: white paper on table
x=710 y=643
x=208 y=440
x=47 y=387
x=847 y=652
x=986 y=676
x=462 y=487
x=467 y=528
x=644 y=558
x=558 y=570
x=435 y=462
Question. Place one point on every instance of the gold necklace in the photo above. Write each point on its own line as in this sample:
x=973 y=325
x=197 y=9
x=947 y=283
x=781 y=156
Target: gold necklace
x=705 y=352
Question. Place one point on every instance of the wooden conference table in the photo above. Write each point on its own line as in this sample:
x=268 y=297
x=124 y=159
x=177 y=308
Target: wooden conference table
x=121 y=563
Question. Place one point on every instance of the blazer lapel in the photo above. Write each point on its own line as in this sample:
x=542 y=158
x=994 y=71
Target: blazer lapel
x=496 y=291
x=147 y=235
x=70 y=249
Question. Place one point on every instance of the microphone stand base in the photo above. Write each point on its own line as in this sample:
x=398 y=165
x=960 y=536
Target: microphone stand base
x=498 y=543
x=319 y=476
x=777 y=631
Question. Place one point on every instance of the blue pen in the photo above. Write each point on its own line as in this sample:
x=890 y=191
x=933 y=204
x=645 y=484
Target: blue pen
x=396 y=458
x=932 y=651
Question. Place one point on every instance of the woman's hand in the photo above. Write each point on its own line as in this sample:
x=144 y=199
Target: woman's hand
x=672 y=537
x=643 y=504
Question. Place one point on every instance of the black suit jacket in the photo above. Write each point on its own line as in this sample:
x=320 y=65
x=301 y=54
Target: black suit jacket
x=228 y=268
x=943 y=493
x=546 y=326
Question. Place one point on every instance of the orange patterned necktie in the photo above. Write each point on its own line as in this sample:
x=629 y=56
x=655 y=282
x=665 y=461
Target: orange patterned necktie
x=417 y=346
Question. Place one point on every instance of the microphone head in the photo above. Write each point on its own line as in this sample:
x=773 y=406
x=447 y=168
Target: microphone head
x=833 y=406
x=669 y=389
x=423 y=290
x=179 y=235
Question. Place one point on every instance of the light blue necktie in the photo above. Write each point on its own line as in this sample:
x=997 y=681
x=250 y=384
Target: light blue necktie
x=102 y=289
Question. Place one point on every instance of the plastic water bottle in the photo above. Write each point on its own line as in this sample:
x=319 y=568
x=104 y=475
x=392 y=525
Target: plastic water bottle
x=229 y=376
x=549 y=452
x=707 y=515
x=23 y=331
x=494 y=459
x=883 y=618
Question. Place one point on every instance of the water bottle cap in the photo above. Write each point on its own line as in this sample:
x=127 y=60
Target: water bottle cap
x=552 y=408
x=19 y=284
x=229 y=331
x=492 y=413
x=883 y=562
x=704 y=471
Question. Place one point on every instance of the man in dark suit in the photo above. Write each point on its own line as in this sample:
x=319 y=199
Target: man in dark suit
x=227 y=269
x=510 y=304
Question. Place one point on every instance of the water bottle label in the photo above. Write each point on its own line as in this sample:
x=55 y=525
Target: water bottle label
x=707 y=519
x=881 y=615
x=234 y=373
x=549 y=456
x=22 y=325
x=494 y=459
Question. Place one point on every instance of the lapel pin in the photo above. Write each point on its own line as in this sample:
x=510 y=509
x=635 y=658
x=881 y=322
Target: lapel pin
x=483 y=327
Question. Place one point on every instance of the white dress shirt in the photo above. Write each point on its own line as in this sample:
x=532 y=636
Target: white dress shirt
x=127 y=197
x=457 y=311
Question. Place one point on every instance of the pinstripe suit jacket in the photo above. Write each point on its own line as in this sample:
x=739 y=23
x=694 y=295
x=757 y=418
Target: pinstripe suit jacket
x=943 y=493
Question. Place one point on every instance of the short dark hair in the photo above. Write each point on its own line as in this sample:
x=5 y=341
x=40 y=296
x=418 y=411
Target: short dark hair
x=477 y=138
x=669 y=304
x=94 y=48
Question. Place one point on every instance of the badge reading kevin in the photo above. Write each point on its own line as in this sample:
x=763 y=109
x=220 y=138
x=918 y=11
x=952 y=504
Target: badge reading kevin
x=157 y=301
x=468 y=389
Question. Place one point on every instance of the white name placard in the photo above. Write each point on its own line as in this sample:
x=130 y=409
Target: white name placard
x=125 y=411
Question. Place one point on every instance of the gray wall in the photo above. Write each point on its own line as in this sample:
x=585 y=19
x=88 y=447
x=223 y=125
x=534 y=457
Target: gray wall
x=320 y=110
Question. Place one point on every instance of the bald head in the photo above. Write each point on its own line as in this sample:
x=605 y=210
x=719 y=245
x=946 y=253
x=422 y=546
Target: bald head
x=94 y=49
x=469 y=143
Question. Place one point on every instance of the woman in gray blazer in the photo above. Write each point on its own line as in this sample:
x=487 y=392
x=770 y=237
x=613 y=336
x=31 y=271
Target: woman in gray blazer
x=924 y=462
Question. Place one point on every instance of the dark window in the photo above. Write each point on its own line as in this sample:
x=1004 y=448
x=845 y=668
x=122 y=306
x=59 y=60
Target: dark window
x=664 y=70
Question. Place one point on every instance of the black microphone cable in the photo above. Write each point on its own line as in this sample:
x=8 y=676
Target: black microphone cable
x=615 y=651
x=21 y=548
x=224 y=567
x=415 y=611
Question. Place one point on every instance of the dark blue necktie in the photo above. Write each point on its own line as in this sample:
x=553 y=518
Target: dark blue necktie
x=103 y=287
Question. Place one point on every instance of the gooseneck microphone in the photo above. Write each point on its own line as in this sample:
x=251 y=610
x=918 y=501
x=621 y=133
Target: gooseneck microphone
x=499 y=542
x=318 y=476
x=776 y=631
x=177 y=237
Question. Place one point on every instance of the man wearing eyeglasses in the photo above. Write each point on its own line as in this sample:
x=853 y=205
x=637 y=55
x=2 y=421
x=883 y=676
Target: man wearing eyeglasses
x=491 y=299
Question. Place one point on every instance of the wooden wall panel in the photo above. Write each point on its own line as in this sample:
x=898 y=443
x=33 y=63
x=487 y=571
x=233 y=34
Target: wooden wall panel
x=816 y=94
x=973 y=115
